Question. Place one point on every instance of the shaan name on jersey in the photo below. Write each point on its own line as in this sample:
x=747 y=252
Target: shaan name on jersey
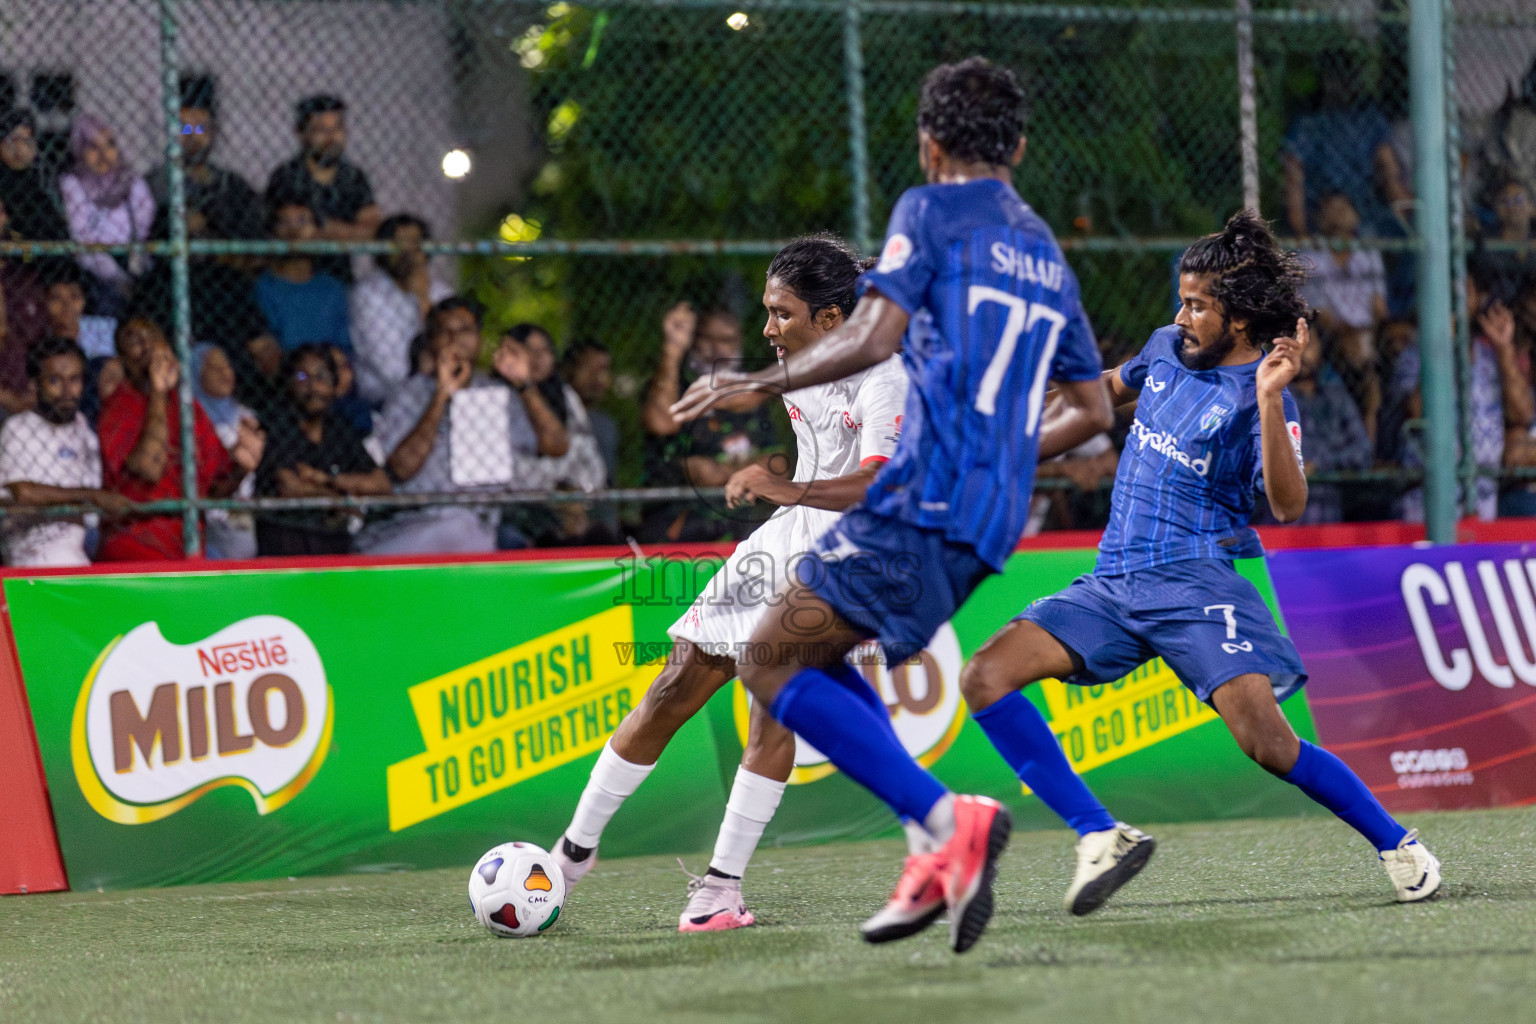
x=1008 y=260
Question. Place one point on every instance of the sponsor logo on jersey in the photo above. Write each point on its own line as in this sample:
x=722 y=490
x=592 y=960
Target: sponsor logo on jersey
x=1294 y=429
x=898 y=249
x=1154 y=385
x=158 y=724
x=1167 y=446
x=1213 y=417
x=1008 y=260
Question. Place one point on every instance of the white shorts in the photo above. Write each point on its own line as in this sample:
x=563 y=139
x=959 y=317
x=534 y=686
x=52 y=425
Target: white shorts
x=722 y=618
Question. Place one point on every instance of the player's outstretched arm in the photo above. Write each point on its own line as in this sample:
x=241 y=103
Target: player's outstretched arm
x=834 y=495
x=1082 y=411
x=1284 y=481
x=1121 y=394
x=870 y=336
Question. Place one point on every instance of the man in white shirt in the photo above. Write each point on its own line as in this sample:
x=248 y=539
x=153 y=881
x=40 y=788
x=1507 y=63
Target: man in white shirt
x=389 y=307
x=50 y=456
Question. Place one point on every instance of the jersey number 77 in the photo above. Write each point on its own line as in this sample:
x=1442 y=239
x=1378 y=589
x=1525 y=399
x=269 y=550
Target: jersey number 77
x=1022 y=316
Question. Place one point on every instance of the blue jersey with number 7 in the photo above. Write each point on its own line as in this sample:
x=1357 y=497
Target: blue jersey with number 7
x=995 y=315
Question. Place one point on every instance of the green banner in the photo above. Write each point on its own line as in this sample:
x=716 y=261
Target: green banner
x=213 y=726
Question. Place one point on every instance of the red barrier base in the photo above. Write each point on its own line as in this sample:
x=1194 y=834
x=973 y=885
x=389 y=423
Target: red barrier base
x=29 y=849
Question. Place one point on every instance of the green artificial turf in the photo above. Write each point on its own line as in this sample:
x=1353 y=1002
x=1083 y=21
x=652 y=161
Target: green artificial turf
x=1284 y=920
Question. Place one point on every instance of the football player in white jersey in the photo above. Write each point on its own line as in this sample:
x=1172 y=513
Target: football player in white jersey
x=844 y=432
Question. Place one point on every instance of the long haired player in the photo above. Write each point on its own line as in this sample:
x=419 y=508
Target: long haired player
x=1213 y=423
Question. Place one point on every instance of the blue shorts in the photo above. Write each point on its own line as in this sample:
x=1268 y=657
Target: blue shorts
x=891 y=580
x=1201 y=617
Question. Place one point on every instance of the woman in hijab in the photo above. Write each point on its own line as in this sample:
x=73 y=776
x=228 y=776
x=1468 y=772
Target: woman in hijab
x=30 y=201
x=106 y=203
x=227 y=533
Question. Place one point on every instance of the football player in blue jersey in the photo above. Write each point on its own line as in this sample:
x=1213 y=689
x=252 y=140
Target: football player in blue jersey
x=1213 y=423
x=972 y=289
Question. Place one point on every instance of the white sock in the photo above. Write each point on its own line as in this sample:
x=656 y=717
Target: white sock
x=940 y=822
x=613 y=781
x=918 y=839
x=753 y=800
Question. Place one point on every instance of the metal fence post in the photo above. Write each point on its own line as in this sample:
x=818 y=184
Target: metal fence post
x=1467 y=468
x=1247 y=106
x=181 y=308
x=858 y=142
x=1427 y=84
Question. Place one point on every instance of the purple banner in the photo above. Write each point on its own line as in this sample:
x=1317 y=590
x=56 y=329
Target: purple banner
x=1422 y=666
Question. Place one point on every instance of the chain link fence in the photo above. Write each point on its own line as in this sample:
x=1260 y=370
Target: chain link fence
x=413 y=260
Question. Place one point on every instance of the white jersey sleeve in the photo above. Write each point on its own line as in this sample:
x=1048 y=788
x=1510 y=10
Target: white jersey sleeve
x=878 y=407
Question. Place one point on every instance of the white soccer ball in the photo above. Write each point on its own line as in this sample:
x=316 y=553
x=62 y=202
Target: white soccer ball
x=516 y=891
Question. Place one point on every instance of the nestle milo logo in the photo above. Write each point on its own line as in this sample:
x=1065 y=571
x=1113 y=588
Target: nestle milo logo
x=157 y=724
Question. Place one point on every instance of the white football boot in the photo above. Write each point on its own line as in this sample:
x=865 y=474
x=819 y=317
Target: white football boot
x=573 y=870
x=1415 y=872
x=714 y=904
x=1106 y=860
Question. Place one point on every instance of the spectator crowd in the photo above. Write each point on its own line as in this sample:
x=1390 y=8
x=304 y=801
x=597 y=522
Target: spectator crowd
x=316 y=377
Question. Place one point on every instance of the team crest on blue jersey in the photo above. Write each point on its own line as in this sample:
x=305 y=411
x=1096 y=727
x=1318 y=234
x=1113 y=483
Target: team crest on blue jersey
x=1213 y=417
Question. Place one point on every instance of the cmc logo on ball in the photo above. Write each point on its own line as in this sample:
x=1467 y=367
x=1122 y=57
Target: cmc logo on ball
x=157 y=725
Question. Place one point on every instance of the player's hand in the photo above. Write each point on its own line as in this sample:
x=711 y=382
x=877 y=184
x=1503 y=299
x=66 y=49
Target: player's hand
x=1279 y=367
x=1498 y=325
x=453 y=373
x=746 y=485
x=677 y=329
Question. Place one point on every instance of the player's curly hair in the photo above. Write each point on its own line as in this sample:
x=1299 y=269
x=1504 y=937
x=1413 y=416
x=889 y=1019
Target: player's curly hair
x=974 y=109
x=821 y=269
x=1256 y=279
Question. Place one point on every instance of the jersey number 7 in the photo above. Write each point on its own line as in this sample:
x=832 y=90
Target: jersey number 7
x=1022 y=316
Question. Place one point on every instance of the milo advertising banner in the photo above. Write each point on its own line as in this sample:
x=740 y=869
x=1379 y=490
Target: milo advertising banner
x=226 y=725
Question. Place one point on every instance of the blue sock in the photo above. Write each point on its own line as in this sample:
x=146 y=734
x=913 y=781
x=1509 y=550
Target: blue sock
x=858 y=740
x=1326 y=779
x=854 y=680
x=1021 y=734
x=850 y=677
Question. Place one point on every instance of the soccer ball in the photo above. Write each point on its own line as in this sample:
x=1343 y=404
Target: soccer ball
x=516 y=891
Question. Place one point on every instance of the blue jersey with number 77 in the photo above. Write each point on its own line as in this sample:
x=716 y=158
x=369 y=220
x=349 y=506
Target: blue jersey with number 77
x=995 y=315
